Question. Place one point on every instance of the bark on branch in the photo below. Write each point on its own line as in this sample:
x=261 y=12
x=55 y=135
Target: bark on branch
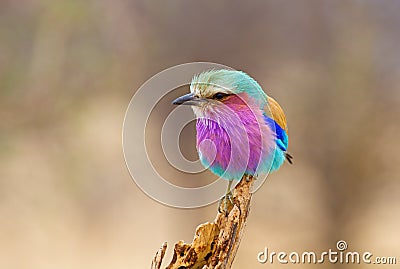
x=215 y=244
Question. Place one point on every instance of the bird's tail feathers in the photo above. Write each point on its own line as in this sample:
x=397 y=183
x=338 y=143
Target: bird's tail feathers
x=289 y=157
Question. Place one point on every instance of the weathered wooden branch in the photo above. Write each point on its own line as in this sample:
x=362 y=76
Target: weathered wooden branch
x=215 y=244
x=156 y=262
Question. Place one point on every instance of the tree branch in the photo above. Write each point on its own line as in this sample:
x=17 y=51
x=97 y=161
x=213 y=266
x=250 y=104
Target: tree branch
x=156 y=262
x=215 y=244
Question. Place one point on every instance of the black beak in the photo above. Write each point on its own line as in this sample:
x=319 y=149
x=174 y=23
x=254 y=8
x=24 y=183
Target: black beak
x=189 y=99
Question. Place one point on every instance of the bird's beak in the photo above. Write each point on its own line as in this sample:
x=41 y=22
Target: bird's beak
x=189 y=99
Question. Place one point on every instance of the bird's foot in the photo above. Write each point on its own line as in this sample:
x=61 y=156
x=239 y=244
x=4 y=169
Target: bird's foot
x=225 y=202
x=248 y=178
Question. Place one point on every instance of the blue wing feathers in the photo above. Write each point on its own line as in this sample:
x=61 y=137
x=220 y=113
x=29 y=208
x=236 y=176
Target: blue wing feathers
x=281 y=136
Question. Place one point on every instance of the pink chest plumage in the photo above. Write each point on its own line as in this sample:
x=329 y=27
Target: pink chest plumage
x=233 y=139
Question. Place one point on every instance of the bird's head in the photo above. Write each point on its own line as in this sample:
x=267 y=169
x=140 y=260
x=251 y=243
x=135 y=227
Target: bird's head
x=213 y=90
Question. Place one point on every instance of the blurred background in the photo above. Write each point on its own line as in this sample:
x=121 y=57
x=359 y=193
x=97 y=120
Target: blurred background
x=68 y=70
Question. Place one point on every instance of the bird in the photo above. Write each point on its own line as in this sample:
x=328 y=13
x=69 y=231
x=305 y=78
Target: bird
x=240 y=130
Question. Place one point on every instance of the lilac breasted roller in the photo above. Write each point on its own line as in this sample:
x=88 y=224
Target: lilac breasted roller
x=240 y=130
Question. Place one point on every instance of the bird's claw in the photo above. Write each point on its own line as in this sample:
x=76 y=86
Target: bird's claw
x=224 y=200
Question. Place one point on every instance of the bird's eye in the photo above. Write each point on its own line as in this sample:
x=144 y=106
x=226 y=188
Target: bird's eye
x=219 y=95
